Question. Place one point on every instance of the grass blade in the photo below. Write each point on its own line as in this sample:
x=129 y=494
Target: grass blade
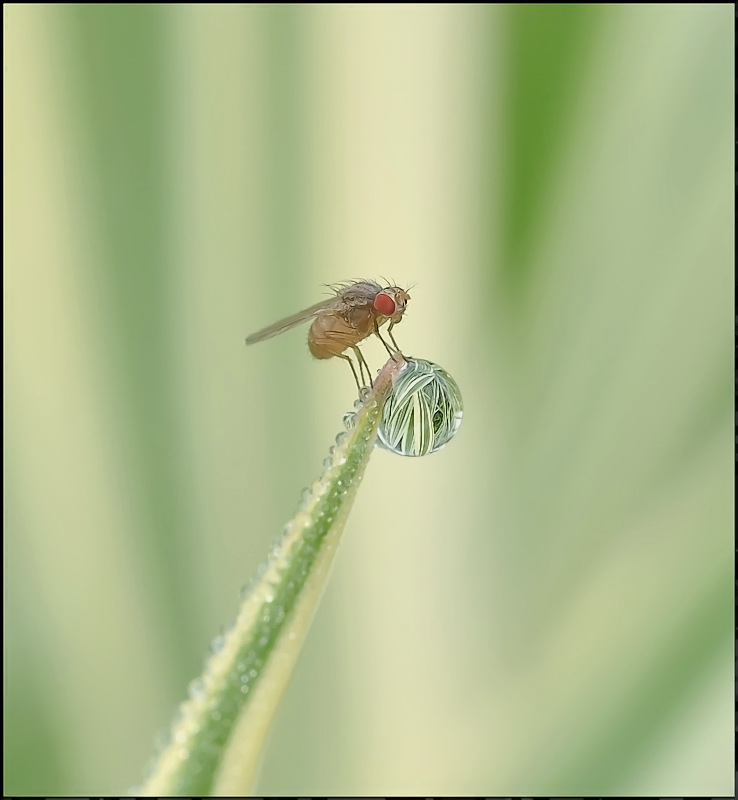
x=217 y=740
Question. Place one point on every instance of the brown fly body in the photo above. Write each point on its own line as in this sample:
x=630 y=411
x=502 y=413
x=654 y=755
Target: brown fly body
x=354 y=312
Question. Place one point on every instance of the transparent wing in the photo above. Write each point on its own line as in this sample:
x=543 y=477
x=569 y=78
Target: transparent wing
x=290 y=322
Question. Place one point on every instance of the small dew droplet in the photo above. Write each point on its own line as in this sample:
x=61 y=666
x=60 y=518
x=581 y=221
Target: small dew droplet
x=195 y=689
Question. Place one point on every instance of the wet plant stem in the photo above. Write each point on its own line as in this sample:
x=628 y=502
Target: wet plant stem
x=217 y=740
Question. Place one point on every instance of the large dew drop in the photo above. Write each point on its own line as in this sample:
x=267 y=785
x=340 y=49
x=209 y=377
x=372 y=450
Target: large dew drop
x=422 y=412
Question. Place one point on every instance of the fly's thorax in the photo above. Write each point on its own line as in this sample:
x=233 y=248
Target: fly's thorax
x=359 y=295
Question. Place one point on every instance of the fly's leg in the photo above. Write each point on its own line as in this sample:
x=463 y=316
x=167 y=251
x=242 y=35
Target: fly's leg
x=387 y=347
x=362 y=364
x=353 y=369
x=392 y=338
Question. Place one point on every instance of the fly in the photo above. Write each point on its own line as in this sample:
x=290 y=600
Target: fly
x=354 y=312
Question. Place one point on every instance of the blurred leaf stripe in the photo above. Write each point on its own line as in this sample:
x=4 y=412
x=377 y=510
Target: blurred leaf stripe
x=627 y=735
x=117 y=54
x=549 y=52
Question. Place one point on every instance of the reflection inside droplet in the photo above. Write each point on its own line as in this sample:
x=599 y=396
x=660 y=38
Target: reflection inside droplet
x=422 y=412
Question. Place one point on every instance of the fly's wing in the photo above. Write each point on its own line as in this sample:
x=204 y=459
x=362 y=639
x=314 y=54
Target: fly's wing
x=290 y=322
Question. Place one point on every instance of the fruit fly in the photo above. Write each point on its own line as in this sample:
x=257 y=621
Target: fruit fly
x=355 y=311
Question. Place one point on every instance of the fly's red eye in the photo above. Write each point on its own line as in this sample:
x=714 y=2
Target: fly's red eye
x=385 y=305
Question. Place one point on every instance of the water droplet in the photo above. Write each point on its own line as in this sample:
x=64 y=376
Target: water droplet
x=245 y=688
x=217 y=644
x=422 y=412
x=349 y=420
x=253 y=673
x=286 y=530
x=195 y=689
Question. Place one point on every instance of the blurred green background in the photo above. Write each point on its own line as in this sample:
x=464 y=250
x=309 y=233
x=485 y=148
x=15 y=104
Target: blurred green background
x=545 y=607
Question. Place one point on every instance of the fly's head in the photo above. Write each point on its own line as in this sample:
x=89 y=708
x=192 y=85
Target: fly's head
x=391 y=303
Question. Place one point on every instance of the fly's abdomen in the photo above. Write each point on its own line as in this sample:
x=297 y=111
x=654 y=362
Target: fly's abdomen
x=331 y=334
